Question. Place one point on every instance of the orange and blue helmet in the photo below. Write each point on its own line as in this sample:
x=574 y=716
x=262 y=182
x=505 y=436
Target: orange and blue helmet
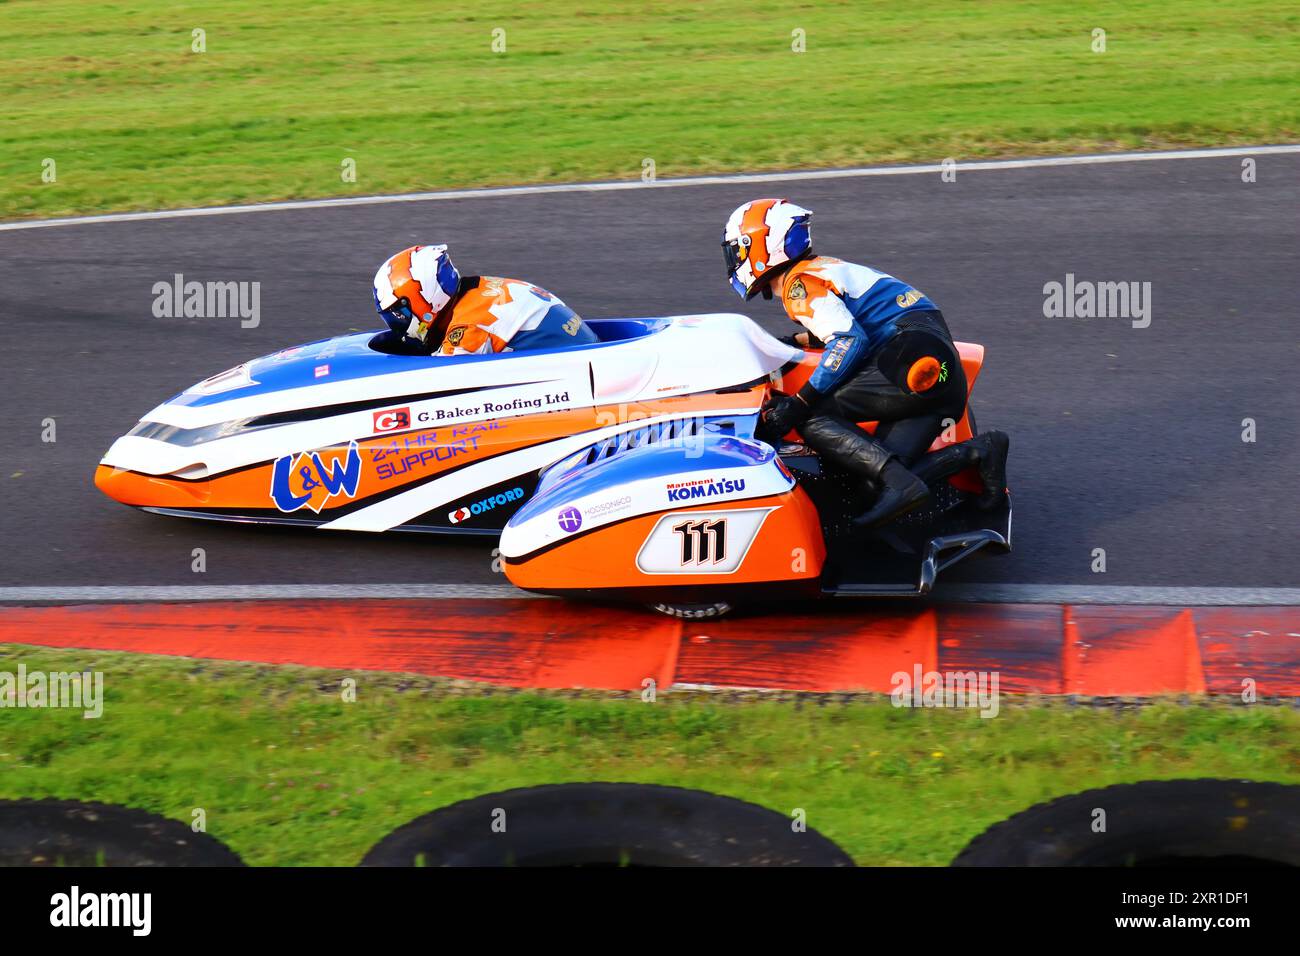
x=759 y=237
x=412 y=287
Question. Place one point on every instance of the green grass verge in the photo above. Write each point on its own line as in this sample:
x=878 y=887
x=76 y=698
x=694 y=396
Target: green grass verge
x=285 y=92
x=288 y=773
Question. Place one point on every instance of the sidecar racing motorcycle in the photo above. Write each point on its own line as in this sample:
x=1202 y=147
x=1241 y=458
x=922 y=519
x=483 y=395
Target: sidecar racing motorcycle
x=622 y=470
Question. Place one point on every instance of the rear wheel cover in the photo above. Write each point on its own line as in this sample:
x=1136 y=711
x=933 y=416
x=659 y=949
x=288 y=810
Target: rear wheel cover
x=604 y=824
x=1153 y=823
x=70 y=833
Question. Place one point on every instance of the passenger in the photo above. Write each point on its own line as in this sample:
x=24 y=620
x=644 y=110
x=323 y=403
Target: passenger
x=430 y=307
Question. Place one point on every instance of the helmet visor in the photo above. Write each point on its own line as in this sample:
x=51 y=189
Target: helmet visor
x=731 y=253
x=402 y=320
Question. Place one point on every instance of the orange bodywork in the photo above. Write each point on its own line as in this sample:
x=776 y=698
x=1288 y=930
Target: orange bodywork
x=395 y=460
x=788 y=547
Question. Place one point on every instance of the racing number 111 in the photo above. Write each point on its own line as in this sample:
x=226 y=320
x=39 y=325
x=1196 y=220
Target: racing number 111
x=703 y=542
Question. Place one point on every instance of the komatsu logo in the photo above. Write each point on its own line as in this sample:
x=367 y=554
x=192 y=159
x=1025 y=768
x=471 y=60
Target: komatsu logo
x=704 y=488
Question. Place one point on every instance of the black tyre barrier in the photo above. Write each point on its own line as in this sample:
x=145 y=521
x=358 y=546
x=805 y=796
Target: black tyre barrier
x=70 y=833
x=603 y=824
x=1153 y=823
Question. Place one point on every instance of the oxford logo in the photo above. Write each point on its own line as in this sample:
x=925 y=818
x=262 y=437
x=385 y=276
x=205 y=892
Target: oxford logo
x=311 y=480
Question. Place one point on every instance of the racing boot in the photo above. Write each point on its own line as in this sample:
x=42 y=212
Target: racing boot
x=992 y=449
x=900 y=492
x=987 y=451
x=945 y=462
x=856 y=452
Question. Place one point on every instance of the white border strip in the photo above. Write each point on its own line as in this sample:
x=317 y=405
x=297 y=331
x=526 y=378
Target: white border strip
x=962 y=593
x=717 y=180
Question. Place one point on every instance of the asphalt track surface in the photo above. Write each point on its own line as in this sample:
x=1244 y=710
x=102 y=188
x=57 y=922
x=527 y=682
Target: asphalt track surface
x=1123 y=439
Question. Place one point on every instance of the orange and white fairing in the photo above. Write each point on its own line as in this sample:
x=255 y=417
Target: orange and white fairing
x=708 y=514
x=337 y=435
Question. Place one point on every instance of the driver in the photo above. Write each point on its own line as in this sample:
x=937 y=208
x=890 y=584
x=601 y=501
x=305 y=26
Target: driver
x=889 y=358
x=430 y=307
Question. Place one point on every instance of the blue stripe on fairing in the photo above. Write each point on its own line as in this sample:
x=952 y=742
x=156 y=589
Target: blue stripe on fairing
x=672 y=431
x=350 y=357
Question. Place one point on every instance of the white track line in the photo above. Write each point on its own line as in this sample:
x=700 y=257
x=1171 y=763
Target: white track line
x=718 y=180
x=258 y=592
x=964 y=593
x=1103 y=594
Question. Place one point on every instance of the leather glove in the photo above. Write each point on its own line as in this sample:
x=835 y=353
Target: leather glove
x=787 y=412
x=793 y=339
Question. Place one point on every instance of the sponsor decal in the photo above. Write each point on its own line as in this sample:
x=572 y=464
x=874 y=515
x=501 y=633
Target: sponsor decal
x=910 y=297
x=572 y=326
x=483 y=506
x=417 y=460
x=839 y=348
x=608 y=507
x=322 y=371
x=392 y=420
x=311 y=480
x=488 y=409
x=570 y=520
x=414 y=451
x=455 y=335
x=797 y=290
x=413 y=441
x=475 y=429
x=704 y=488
